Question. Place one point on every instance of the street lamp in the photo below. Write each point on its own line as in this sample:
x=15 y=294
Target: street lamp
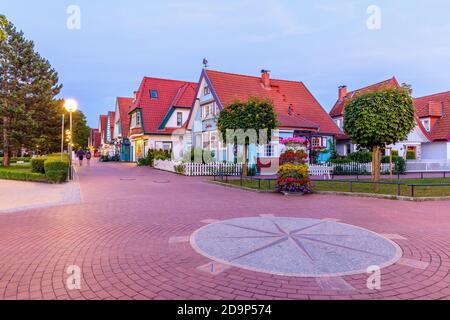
x=71 y=106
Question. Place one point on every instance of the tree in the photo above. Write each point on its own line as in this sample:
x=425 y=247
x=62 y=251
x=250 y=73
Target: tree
x=28 y=85
x=375 y=120
x=81 y=130
x=3 y=23
x=251 y=119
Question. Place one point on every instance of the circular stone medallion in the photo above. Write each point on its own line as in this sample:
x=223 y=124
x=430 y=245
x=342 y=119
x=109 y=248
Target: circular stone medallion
x=295 y=247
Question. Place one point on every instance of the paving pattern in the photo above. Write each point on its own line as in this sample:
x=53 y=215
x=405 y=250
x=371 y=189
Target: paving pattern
x=130 y=235
x=295 y=247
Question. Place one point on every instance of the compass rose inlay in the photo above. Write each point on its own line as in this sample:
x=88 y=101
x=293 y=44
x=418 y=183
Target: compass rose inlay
x=295 y=246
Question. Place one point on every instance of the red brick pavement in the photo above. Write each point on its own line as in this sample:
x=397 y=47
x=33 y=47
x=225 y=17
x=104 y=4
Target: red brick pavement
x=119 y=237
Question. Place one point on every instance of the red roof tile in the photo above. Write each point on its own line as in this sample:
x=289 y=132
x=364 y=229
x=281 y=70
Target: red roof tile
x=437 y=105
x=338 y=109
x=124 y=105
x=170 y=93
x=294 y=104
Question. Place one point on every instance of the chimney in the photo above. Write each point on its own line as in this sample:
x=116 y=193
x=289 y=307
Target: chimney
x=265 y=77
x=342 y=92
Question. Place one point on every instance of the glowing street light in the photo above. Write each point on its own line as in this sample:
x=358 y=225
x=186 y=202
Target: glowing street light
x=71 y=106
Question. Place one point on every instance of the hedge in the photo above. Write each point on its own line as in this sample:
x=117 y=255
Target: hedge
x=37 y=165
x=56 y=170
x=22 y=176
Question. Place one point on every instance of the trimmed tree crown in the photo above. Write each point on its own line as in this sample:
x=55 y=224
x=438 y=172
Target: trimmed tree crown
x=255 y=113
x=380 y=118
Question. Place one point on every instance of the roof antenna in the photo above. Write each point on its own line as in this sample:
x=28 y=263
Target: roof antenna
x=205 y=63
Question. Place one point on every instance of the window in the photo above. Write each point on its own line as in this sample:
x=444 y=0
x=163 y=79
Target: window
x=426 y=124
x=268 y=150
x=338 y=123
x=205 y=140
x=316 y=142
x=138 y=118
x=206 y=91
x=154 y=94
x=179 y=119
x=214 y=142
x=208 y=110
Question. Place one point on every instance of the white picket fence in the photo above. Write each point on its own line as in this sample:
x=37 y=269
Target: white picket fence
x=210 y=169
x=199 y=169
x=345 y=169
x=217 y=168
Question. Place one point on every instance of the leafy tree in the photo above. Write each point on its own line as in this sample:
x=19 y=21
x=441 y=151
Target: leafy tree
x=255 y=114
x=3 y=23
x=377 y=119
x=81 y=130
x=28 y=85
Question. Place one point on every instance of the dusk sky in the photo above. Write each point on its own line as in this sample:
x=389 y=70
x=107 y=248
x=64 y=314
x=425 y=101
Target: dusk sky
x=322 y=43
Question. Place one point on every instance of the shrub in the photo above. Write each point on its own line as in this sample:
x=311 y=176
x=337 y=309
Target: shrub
x=398 y=162
x=22 y=176
x=180 y=168
x=56 y=170
x=37 y=165
x=394 y=153
x=411 y=155
x=360 y=156
x=143 y=162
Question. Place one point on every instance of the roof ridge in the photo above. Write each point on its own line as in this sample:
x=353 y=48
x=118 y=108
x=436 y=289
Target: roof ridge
x=374 y=84
x=164 y=79
x=432 y=95
x=253 y=77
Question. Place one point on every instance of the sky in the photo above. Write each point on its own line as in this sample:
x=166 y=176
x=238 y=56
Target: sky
x=105 y=50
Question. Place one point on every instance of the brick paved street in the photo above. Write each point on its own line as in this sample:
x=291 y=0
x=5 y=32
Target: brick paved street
x=130 y=235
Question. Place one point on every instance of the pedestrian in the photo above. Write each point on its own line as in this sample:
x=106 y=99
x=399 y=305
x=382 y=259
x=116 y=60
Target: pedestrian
x=88 y=157
x=80 y=155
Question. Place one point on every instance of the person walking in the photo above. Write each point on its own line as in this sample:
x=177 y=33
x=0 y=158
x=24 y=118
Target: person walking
x=80 y=156
x=88 y=157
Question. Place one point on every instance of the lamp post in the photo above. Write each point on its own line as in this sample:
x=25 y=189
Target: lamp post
x=71 y=106
x=62 y=138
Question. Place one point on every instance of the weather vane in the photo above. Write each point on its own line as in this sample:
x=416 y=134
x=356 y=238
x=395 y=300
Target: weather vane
x=205 y=63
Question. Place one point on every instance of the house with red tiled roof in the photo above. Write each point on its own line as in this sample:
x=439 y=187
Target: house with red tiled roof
x=102 y=128
x=299 y=114
x=158 y=116
x=434 y=114
x=122 y=127
x=110 y=127
x=94 y=139
x=344 y=145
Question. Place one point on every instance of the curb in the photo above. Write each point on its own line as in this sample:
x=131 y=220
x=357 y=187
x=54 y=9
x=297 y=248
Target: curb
x=344 y=194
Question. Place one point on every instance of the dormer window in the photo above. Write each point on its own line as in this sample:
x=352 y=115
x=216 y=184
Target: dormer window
x=206 y=91
x=154 y=94
x=179 y=119
x=426 y=124
x=138 y=118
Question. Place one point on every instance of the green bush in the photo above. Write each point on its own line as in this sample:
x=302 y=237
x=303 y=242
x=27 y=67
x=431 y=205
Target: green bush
x=340 y=161
x=394 y=153
x=22 y=176
x=398 y=162
x=37 y=165
x=411 y=155
x=143 y=162
x=56 y=170
x=360 y=156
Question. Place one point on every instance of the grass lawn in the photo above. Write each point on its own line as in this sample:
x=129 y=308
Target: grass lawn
x=329 y=185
